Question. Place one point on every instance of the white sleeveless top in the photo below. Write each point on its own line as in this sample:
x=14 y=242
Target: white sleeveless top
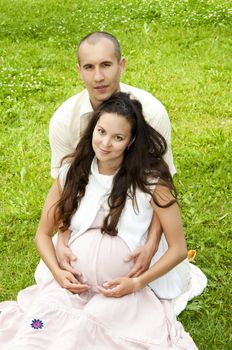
x=132 y=227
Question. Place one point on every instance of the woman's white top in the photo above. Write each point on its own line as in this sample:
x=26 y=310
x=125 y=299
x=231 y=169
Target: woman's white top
x=132 y=227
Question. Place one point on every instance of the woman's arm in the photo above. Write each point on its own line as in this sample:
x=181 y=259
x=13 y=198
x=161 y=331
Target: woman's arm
x=44 y=244
x=46 y=228
x=170 y=220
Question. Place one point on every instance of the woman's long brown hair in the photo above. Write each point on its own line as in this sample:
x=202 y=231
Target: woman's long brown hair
x=142 y=167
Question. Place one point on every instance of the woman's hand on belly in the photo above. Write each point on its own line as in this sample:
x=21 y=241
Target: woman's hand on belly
x=68 y=281
x=119 y=287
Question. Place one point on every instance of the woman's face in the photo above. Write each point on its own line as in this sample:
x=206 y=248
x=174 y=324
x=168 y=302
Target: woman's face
x=111 y=137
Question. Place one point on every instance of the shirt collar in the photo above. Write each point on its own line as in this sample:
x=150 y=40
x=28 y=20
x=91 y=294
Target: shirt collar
x=86 y=106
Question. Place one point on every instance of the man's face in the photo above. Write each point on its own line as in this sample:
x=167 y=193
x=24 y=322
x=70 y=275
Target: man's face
x=100 y=70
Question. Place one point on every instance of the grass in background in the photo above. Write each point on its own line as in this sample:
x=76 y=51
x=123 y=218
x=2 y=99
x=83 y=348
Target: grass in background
x=177 y=50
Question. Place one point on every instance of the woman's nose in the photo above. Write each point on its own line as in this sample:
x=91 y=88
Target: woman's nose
x=106 y=141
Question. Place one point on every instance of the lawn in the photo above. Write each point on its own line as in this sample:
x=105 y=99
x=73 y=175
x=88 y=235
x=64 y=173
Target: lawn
x=180 y=51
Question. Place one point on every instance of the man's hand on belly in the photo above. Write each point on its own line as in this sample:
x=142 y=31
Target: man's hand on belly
x=142 y=259
x=64 y=254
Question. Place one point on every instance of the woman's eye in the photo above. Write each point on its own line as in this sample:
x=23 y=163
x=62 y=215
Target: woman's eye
x=118 y=138
x=101 y=132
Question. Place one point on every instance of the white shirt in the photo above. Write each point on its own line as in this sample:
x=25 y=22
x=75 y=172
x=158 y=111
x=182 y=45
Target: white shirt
x=133 y=226
x=71 y=118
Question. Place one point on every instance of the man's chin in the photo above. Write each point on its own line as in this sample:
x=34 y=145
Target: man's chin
x=104 y=97
x=99 y=98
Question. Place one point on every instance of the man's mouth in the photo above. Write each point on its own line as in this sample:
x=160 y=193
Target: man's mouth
x=101 y=87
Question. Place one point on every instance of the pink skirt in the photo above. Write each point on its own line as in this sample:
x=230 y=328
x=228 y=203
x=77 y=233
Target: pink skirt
x=48 y=317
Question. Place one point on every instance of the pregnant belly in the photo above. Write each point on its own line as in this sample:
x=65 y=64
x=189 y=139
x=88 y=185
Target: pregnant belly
x=100 y=257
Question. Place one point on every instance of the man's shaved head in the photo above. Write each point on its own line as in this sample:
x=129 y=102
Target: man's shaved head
x=95 y=37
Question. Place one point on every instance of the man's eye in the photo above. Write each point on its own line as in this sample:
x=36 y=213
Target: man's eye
x=88 y=67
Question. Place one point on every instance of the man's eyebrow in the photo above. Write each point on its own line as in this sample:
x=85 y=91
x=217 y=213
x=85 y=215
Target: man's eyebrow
x=104 y=62
x=90 y=64
x=87 y=65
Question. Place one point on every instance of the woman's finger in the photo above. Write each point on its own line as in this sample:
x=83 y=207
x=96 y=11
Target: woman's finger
x=107 y=292
x=76 y=286
x=111 y=284
x=79 y=291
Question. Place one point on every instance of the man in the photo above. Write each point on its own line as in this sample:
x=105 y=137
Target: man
x=100 y=66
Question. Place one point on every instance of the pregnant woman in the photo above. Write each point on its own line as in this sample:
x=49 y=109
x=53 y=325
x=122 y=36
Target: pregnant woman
x=104 y=200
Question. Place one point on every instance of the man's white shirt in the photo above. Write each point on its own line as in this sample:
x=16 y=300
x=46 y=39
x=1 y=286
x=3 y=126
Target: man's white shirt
x=71 y=118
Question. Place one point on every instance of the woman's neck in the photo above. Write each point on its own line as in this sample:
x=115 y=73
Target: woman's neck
x=107 y=168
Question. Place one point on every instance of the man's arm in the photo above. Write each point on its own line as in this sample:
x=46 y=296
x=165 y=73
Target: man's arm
x=143 y=255
x=64 y=253
x=59 y=143
x=162 y=124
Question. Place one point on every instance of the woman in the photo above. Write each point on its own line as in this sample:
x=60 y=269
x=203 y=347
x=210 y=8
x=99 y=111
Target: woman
x=104 y=199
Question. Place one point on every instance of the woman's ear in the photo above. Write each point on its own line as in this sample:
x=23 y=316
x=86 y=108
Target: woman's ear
x=130 y=143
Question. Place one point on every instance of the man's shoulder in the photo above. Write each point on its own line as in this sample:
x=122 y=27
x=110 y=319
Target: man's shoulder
x=151 y=105
x=69 y=106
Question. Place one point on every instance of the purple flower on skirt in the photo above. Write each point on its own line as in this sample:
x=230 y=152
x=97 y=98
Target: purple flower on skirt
x=37 y=324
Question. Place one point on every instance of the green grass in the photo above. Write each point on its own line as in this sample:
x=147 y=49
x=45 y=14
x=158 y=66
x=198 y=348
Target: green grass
x=177 y=50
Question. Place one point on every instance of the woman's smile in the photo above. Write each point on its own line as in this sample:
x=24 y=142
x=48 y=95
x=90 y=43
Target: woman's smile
x=111 y=137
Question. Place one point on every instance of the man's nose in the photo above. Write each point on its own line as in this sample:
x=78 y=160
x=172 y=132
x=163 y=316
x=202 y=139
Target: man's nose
x=98 y=76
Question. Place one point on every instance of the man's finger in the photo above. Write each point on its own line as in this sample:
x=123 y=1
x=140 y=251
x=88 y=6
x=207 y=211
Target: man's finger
x=135 y=271
x=138 y=273
x=131 y=256
x=132 y=272
x=73 y=283
x=69 y=268
x=70 y=256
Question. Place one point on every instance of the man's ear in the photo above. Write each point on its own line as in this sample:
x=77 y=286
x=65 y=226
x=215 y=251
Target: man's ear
x=79 y=70
x=122 y=65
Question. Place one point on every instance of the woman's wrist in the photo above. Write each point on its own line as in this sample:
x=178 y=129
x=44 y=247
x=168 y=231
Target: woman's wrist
x=138 y=283
x=151 y=242
x=55 y=271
